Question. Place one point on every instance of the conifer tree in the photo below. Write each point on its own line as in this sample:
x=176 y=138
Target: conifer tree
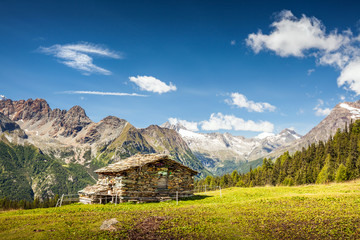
x=340 y=174
x=326 y=173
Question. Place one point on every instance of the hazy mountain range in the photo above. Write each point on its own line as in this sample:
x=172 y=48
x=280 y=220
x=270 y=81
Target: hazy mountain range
x=223 y=152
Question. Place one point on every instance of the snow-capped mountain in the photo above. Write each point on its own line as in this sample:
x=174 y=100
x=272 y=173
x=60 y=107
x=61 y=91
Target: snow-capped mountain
x=219 y=150
x=340 y=116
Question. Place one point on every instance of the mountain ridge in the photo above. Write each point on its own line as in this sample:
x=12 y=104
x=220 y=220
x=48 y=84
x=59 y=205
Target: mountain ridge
x=73 y=137
x=222 y=152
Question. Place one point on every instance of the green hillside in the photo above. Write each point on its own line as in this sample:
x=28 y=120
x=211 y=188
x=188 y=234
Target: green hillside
x=308 y=212
x=25 y=173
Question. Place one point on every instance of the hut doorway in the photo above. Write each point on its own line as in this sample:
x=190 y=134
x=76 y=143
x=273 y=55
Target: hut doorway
x=162 y=183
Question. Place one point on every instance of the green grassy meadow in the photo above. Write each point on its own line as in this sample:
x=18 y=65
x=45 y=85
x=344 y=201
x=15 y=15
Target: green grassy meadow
x=304 y=212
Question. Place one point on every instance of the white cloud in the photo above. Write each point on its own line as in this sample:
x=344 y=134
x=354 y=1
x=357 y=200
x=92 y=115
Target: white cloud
x=350 y=76
x=240 y=100
x=230 y=122
x=151 y=84
x=307 y=36
x=192 y=126
x=310 y=71
x=233 y=42
x=322 y=112
x=319 y=111
x=342 y=98
x=105 y=93
x=2 y=97
x=292 y=36
x=77 y=56
x=337 y=59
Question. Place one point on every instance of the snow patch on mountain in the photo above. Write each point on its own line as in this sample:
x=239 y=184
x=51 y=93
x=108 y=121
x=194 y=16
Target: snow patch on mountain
x=190 y=134
x=354 y=111
x=265 y=135
x=217 y=148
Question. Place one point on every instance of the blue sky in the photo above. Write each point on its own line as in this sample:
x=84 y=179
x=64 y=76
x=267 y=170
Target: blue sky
x=203 y=63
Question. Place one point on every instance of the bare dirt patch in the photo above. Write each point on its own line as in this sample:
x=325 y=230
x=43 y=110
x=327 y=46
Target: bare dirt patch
x=149 y=228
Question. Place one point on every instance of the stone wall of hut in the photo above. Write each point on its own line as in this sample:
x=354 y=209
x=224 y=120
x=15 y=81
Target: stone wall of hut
x=152 y=182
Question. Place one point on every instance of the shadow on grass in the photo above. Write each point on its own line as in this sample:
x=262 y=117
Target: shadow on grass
x=195 y=197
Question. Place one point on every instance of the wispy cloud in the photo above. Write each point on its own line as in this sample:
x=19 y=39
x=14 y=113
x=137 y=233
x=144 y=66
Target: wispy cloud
x=307 y=36
x=310 y=71
x=319 y=110
x=2 y=97
x=233 y=42
x=239 y=100
x=79 y=56
x=104 y=93
x=151 y=84
x=300 y=111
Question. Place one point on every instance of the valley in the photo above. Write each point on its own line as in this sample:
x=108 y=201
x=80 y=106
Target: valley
x=70 y=138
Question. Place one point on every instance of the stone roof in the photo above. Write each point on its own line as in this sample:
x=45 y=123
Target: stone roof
x=94 y=189
x=138 y=160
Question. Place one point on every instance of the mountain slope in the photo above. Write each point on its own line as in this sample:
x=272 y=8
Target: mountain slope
x=59 y=149
x=128 y=142
x=25 y=173
x=168 y=141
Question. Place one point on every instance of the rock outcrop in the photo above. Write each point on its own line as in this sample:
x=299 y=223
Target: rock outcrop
x=10 y=128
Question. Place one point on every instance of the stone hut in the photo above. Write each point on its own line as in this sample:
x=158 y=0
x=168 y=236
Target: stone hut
x=140 y=178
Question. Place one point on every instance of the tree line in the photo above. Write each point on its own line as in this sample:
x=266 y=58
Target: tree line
x=8 y=204
x=336 y=160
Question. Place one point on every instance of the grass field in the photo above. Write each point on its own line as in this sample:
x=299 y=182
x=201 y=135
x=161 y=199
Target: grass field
x=307 y=212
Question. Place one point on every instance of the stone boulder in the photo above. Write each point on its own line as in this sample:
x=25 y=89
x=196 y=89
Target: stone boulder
x=109 y=225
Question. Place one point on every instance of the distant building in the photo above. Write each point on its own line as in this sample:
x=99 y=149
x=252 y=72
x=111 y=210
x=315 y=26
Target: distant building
x=140 y=178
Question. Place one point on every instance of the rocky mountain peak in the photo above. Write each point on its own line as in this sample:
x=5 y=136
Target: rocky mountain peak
x=25 y=110
x=154 y=127
x=112 y=120
x=177 y=126
x=157 y=131
x=74 y=121
x=77 y=110
x=290 y=132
